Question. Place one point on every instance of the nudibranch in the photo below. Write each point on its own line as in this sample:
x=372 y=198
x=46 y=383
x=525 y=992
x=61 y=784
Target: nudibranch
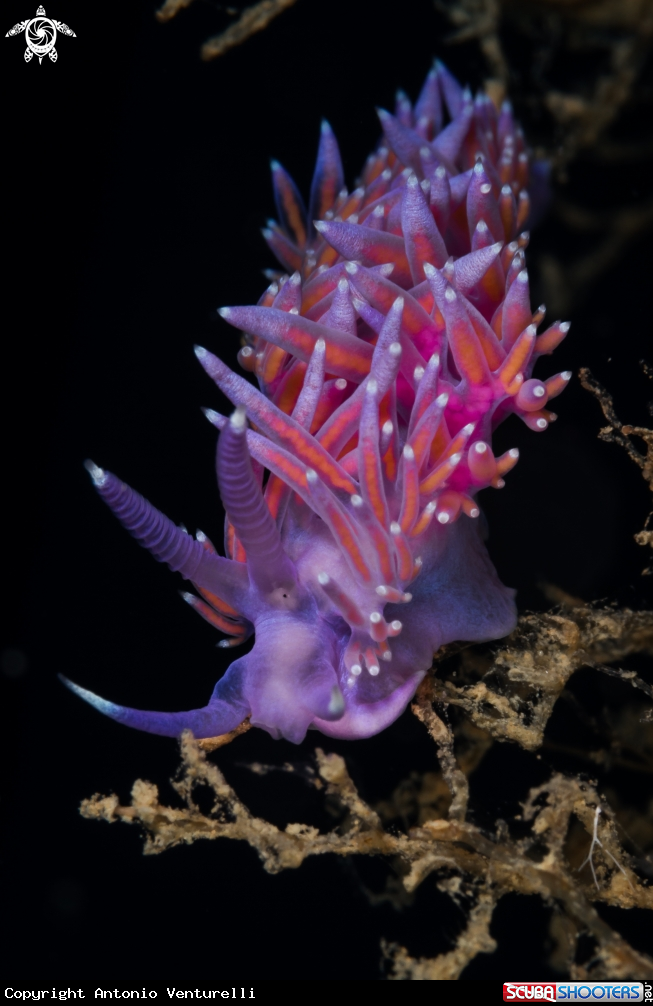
x=397 y=337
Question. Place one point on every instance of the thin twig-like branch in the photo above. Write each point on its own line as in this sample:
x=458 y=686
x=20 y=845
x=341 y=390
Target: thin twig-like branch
x=170 y=8
x=441 y=734
x=253 y=19
x=619 y=433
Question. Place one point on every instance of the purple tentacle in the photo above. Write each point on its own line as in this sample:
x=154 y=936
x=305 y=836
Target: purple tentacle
x=168 y=543
x=405 y=142
x=451 y=89
x=428 y=107
x=289 y=203
x=226 y=709
x=268 y=565
x=329 y=176
x=448 y=143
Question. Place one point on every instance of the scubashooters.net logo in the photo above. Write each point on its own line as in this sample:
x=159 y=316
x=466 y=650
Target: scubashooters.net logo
x=40 y=35
x=573 y=992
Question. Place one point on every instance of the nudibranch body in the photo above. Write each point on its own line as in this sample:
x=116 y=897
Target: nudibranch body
x=397 y=339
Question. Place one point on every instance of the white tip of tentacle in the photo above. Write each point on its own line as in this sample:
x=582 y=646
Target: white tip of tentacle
x=374 y=669
x=408 y=452
x=387 y=427
x=323 y=579
x=441 y=400
x=341 y=384
x=212 y=416
x=200 y=536
x=450 y=294
x=103 y=705
x=320 y=226
x=356 y=500
x=455 y=459
x=238 y=419
x=356 y=669
x=443 y=518
x=395 y=528
x=225 y=312
x=372 y=387
x=375 y=618
x=311 y=476
x=418 y=374
x=98 y=474
x=395 y=347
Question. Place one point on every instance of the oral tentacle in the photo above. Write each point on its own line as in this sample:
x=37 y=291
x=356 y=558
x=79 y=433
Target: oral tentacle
x=225 y=710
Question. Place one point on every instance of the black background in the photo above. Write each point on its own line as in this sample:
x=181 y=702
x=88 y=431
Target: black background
x=137 y=182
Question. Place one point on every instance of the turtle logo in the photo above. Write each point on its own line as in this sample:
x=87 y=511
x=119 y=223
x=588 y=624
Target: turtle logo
x=40 y=35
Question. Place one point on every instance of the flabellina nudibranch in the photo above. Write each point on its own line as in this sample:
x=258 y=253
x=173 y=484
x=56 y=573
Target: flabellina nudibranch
x=399 y=335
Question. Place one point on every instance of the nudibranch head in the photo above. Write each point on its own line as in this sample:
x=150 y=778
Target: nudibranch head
x=399 y=335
